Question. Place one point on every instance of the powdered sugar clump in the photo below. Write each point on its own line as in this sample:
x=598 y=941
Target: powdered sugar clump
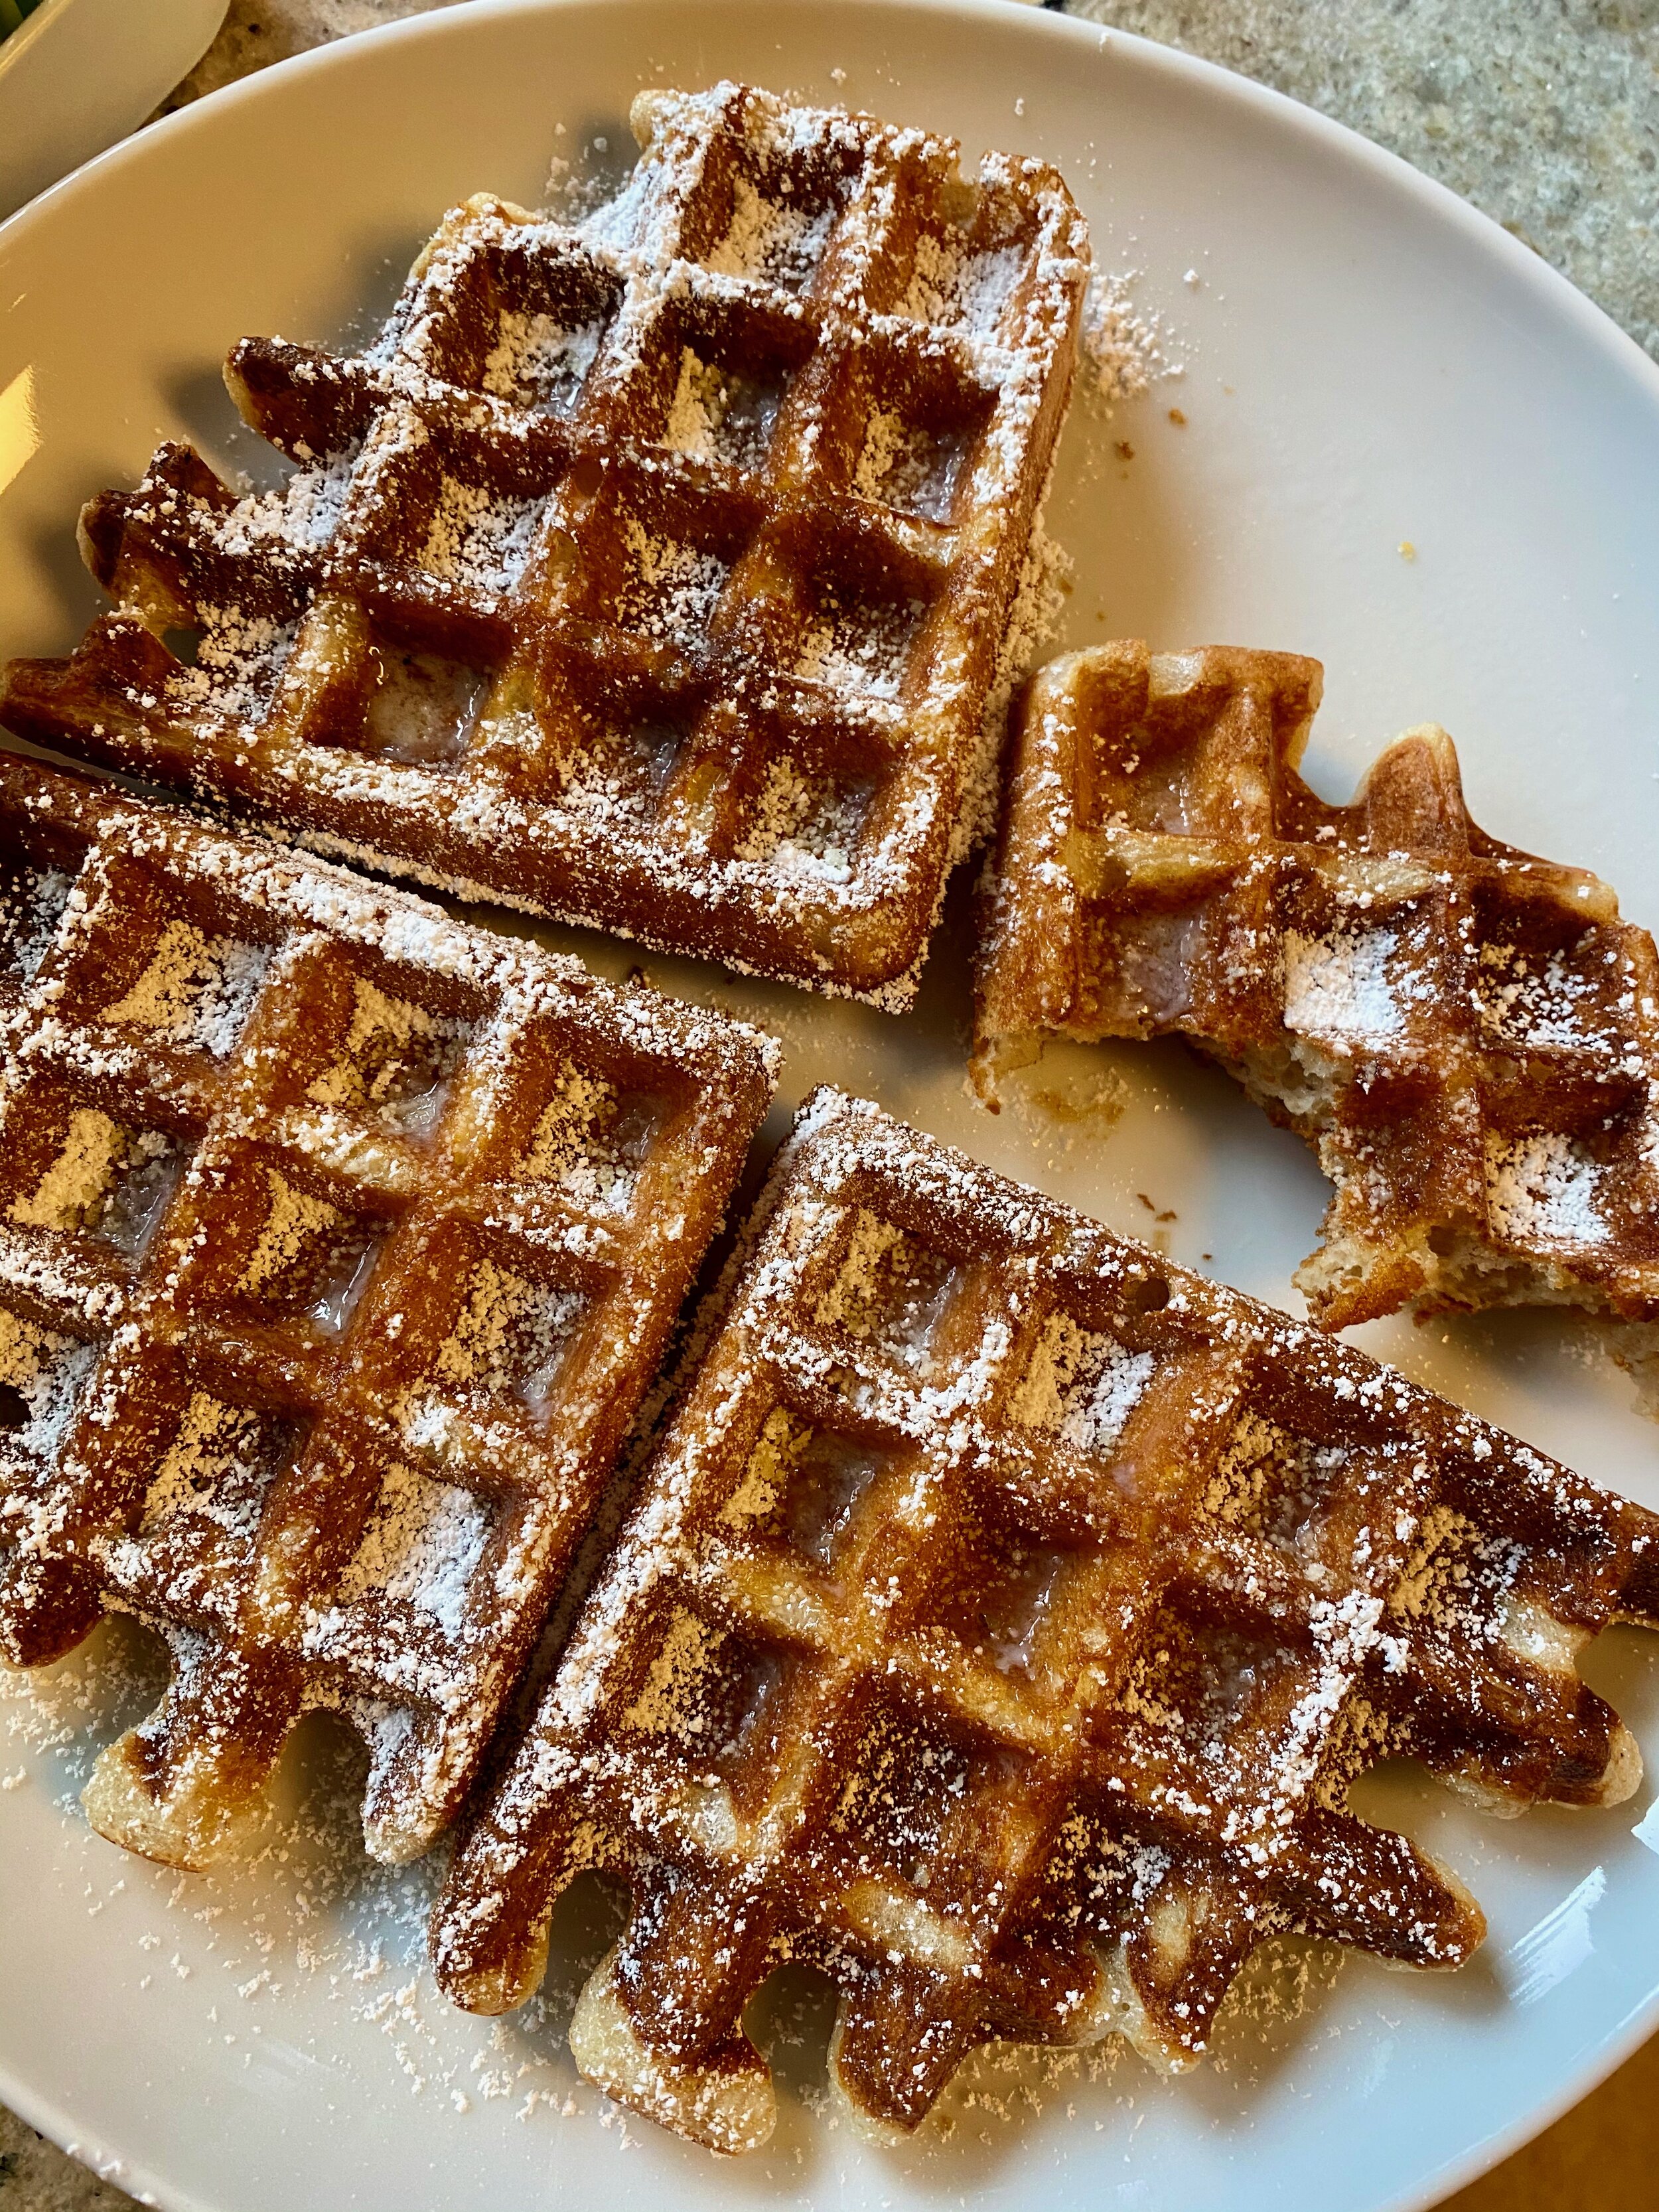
x=1125 y=350
x=956 y=287
x=805 y=826
x=302 y=513
x=860 y=645
x=771 y=239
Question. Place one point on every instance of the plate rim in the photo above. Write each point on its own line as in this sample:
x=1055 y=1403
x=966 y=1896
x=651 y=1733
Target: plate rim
x=1553 y=292
x=1521 y=261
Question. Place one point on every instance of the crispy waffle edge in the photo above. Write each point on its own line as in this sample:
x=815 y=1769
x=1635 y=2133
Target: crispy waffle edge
x=1431 y=1596
x=357 y=1231
x=1468 y=1034
x=444 y=561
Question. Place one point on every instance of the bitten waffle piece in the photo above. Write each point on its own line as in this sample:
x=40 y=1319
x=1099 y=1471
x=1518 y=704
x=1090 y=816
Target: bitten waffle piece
x=338 y=1243
x=1000 y=1626
x=1469 y=1036
x=654 y=574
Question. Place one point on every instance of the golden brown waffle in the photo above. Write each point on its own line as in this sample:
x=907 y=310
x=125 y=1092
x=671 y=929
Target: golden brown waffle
x=339 y=1243
x=1468 y=1035
x=999 y=1626
x=652 y=573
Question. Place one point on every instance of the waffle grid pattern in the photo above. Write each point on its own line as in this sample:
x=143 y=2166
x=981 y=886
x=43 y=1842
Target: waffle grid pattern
x=651 y=572
x=1470 y=1034
x=338 y=1243
x=1002 y=1621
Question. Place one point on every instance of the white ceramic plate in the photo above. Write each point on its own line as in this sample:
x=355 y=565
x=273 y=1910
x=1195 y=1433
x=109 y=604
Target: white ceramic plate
x=1368 y=362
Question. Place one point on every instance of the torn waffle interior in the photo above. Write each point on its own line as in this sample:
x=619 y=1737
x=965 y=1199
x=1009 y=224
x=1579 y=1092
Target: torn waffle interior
x=665 y=571
x=1466 y=1033
x=338 y=1244
x=1000 y=1627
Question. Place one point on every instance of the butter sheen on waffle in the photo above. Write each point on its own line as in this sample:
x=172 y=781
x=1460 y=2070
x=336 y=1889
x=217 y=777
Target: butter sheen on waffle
x=338 y=1243
x=1468 y=1035
x=1002 y=1622
x=653 y=572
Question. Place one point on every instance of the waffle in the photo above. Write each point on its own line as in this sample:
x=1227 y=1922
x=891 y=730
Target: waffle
x=339 y=1243
x=999 y=1628
x=1469 y=1036
x=649 y=574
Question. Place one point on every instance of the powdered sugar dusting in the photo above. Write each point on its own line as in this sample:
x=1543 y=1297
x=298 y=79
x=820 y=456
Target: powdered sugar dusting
x=217 y=1468
x=954 y=286
x=302 y=514
x=679 y=331
x=240 y=662
x=32 y=903
x=477 y=538
x=541 y=362
x=590 y=1139
x=1339 y=985
x=1266 y=1540
x=1082 y=1384
x=860 y=644
x=807 y=827
x=673 y=585
x=255 y=1230
x=46 y=1371
x=1543 y=1187
x=196 y=990
x=306 y=1953
x=509 y=1337
x=771 y=239
x=420 y=1548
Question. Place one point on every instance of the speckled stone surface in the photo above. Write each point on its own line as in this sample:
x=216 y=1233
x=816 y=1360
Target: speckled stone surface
x=36 y=2177
x=1544 y=113
x=258 y=32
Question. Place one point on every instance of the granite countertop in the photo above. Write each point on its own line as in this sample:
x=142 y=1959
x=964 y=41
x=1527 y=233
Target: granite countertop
x=1543 y=112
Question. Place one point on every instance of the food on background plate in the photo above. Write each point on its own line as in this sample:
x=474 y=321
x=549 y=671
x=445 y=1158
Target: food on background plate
x=1000 y=1627
x=338 y=1243
x=1469 y=1036
x=658 y=573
